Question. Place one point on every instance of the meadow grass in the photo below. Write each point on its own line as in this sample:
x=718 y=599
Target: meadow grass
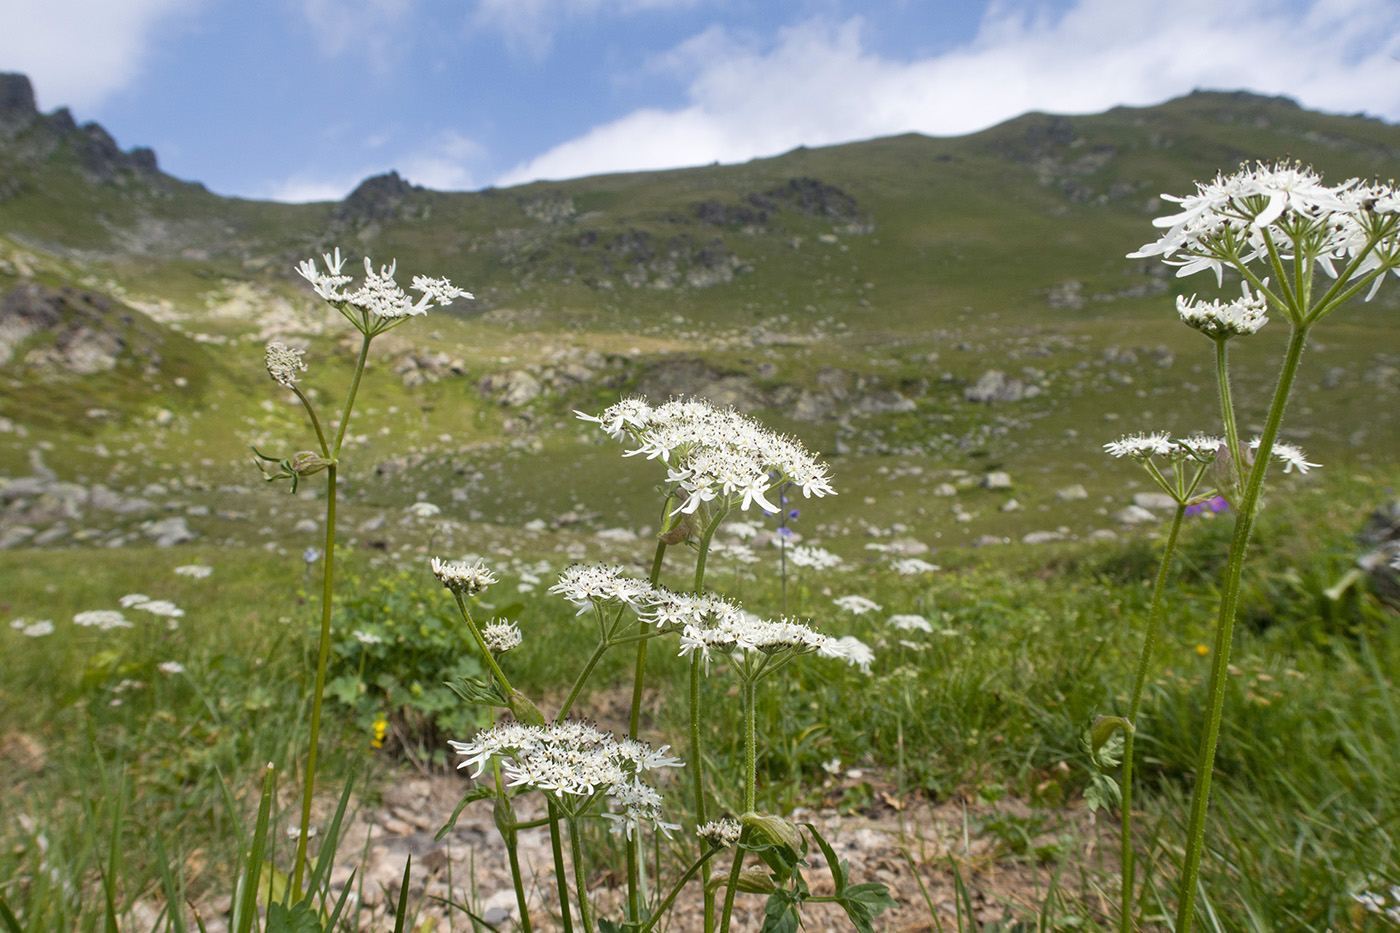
x=1026 y=644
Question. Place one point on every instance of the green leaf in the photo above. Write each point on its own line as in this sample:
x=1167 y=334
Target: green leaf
x=837 y=866
x=9 y=918
x=402 y=912
x=780 y=914
x=864 y=902
x=299 y=918
x=476 y=691
x=1103 y=729
x=479 y=792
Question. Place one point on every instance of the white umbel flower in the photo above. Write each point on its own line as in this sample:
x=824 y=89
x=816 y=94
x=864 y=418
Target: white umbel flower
x=1223 y=320
x=722 y=834
x=283 y=363
x=501 y=637
x=714 y=454
x=574 y=762
x=462 y=578
x=379 y=302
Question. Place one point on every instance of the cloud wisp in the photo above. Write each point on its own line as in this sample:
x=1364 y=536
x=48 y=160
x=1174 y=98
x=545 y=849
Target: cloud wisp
x=819 y=84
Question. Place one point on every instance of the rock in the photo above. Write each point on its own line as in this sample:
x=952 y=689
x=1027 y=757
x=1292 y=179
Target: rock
x=945 y=489
x=306 y=526
x=1042 y=537
x=1134 y=515
x=884 y=402
x=1154 y=500
x=1103 y=534
x=993 y=386
x=15 y=534
x=1073 y=493
x=997 y=479
x=1010 y=505
x=169 y=532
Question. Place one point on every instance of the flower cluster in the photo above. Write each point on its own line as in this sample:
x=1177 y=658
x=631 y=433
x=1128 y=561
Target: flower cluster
x=1290 y=455
x=1281 y=210
x=379 y=302
x=283 y=364
x=714 y=453
x=501 y=637
x=1223 y=320
x=589 y=585
x=802 y=555
x=103 y=619
x=1144 y=447
x=856 y=605
x=574 y=760
x=33 y=629
x=722 y=834
x=462 y=578
x=910 y=623
x=196 y=571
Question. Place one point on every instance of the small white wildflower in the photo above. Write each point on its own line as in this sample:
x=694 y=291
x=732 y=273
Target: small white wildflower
x=857 y=652
x=856 y=605
x=19 y=623
x=1291 y=456
x=367 y=638
x=38 y=629
x=133 y=599
x=912 y=566
x=721 y=834
x=501 y=637
x=171 y=667
x=424 y=510
x=161 y=607
x=283 y=364
x=195 y=571
x=379 y=302
x=462 y=578
x=832 y=766
x=104 y=619
x=911 y=623
x=1140 y=447
x=1223 y=320
x=801 y=555
x=589 y=585
x=741 y=530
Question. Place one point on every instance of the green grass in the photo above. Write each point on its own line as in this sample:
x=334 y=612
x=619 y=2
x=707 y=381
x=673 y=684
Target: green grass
x=1028 y=645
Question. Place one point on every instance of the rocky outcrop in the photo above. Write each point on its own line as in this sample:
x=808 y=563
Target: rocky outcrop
x=380 y=198
x=85 y=332
x=32 y=137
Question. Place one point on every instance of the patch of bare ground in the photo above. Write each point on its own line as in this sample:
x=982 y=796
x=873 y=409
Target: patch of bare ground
x=913 y=846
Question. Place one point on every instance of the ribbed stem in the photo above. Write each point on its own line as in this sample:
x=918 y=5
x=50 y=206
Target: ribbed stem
x=580 y=877
x=1149 y=645
x=322 y=655
x=1225 y=622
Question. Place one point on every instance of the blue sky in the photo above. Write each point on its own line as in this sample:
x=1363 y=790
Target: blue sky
x=302 y=99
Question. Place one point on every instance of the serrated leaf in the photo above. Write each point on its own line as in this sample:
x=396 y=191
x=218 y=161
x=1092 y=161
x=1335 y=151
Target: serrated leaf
x=299 y=918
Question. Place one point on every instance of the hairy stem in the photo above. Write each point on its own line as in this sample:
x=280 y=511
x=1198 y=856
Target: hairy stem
x=1149 y=645
x=1229 y=603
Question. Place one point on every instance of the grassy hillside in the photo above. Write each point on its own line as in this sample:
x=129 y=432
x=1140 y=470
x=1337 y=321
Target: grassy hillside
x=850 y=294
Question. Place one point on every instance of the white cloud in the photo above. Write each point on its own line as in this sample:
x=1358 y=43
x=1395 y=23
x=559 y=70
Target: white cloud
x=817 y=84
x=373 y=31
x=443 y=164
x=529 y=26
x=78 y=53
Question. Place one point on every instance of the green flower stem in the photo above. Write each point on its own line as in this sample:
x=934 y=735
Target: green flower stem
x=582 y=678
x=511 y=839
x=322 y=654
x=561 y=877
x=750 y=793
x=580 y=878
x=1227 y=414
x=1229 y=603
x=315 y=422
x=680 y=884
x=705 y=549
x=350 y=398
x=697 y=771
x=732 y=887
x=486 y=655
x=634 y=725
x=750 y=749
x=1149 y=645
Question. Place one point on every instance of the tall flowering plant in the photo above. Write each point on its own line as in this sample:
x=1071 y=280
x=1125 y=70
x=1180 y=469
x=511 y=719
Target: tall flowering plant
x=379 y=304
x=1302 y=250
x=716 y=461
